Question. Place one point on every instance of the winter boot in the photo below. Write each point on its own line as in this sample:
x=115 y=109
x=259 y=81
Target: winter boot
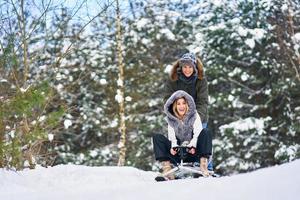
x=166 y=167
x=203 y=166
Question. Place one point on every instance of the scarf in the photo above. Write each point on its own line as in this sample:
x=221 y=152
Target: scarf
x=187 y=80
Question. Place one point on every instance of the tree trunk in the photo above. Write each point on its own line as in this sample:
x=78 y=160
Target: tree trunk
x=120 y=93
x=291 y=31
x=2 y=129
x=24 y=43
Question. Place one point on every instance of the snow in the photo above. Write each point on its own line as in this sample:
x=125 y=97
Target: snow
x=153 y=102
x=93 y=74
x=12 y=133
x=217 y=27
x=268 y=91
x=289 y=151
x=142 y=23
x=93 y=153
x=77 y=182
x=284 y=7
x=217 y=3
x=3 y=80
x=242 y=31
x=23 y=90
x=119 y=97
x=50 y=137
x=235 y=72
x=250 y=43
x=168 y=68
x=67 y=123
x=114 y=123
x=258 y=33
x=59 y=87
x=128 y=98
x=230 y=97
x=42 y=118
x=120 y=82
x=244 y=77
x=146 y=41
x=296 y=37
x=245 y=125
x=103 y=81
x=168 y=33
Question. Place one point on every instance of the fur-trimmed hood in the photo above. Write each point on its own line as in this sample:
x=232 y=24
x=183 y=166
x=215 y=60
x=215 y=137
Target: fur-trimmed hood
x=179 y=93
x=176 y=69
x=184 y=129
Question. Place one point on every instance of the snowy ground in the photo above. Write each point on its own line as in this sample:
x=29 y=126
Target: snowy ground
x=101 y=183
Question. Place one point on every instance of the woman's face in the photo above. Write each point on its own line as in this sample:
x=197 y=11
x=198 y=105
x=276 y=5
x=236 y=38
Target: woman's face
x=181 y=106
x=187 y=70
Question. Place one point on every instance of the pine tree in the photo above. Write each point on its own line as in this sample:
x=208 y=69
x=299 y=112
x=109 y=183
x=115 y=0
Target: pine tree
x=25 y=124
x=246 y=75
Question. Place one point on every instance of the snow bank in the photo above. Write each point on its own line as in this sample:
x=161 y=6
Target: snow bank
x=81 y=182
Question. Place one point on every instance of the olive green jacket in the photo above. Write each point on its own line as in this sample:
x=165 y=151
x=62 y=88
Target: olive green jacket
x=201 y=93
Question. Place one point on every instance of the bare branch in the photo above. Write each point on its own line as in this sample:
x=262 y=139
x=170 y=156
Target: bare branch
x=38 y=20
x=67 y=51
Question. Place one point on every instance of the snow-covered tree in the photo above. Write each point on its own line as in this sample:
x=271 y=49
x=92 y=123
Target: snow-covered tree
x=250 y=53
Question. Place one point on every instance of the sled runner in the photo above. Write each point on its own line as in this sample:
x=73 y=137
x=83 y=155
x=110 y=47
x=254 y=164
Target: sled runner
x=183 y=169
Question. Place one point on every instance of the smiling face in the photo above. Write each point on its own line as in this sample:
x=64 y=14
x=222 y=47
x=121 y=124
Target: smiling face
x=180 y=107
x=187 y=70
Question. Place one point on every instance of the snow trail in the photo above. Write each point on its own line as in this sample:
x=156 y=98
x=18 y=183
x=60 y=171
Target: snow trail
x=115 y=183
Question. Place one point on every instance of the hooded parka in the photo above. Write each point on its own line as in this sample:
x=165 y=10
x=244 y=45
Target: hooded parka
x=187 y=129
x=196 y=87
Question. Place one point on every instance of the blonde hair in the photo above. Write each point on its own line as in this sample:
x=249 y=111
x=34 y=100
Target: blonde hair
x=174 y=107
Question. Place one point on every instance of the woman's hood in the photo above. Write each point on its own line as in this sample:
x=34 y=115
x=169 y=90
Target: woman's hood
x=180 y=93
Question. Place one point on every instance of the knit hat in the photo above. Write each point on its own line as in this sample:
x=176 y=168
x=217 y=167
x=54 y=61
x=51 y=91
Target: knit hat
x=188 y=59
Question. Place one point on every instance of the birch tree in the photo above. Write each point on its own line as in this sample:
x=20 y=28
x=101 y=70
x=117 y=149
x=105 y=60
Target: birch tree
x=121 y=88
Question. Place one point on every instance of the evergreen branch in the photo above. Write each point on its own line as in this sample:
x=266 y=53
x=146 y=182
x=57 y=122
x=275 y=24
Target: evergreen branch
x=250 y=91
x=238 y=62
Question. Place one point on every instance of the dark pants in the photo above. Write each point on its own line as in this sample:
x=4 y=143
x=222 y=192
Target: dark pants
x=162 y=146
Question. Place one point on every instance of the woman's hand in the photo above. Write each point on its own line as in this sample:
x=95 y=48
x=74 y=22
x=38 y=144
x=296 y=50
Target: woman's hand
x=192 y=151
x=173 y=151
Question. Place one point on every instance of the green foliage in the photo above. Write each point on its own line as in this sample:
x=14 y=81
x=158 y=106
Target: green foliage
x=22 y=125
x=53 y=118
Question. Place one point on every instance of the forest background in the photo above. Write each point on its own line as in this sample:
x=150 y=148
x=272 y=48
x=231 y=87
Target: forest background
x=61 y=89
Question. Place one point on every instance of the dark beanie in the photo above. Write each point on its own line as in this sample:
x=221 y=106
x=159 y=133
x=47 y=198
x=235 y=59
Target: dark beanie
x=188 y=59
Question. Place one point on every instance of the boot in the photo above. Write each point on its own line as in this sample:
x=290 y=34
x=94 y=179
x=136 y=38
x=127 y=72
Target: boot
x=166 y=167
x=203 y=166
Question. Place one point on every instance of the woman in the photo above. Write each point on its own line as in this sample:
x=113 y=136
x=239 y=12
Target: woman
x=187 y=74
x=184 y=125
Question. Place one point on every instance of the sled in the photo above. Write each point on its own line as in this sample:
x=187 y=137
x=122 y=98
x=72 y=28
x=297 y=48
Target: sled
x=183 y=169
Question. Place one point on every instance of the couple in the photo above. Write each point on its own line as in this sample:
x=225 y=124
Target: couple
x=186 y=119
